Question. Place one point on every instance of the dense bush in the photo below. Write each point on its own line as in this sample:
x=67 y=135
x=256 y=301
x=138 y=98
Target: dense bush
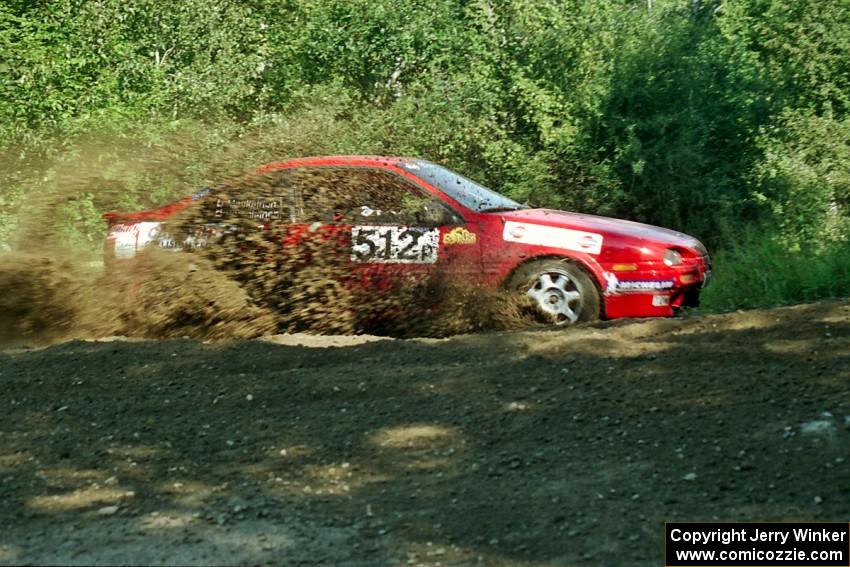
x=712 y=117
x=759 y=270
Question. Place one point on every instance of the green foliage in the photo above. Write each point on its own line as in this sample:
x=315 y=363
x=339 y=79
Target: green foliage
x=704 y=116
x=803 y=47
x=72 y=61
x=805 y=178
x=678 y=128
x=759 y=270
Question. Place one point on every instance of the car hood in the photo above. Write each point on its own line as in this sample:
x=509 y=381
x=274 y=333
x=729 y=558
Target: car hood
x=605 y=225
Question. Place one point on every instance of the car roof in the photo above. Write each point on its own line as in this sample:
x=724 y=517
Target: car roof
x=343 y=160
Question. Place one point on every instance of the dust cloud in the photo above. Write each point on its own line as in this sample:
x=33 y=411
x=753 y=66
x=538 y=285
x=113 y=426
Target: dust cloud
x=227 y=278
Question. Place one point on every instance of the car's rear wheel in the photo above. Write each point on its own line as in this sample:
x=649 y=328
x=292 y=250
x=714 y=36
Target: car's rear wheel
x=561 y=291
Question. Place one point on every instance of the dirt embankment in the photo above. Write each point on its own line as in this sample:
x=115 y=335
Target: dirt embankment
x=515 y=448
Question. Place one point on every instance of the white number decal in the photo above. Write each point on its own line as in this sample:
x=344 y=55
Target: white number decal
x=394 y=244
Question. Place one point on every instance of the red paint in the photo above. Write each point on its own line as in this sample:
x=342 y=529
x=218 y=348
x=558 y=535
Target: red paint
x=490 y=260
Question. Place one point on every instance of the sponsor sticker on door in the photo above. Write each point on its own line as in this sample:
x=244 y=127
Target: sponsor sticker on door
x=553 y=237
x=459 y=235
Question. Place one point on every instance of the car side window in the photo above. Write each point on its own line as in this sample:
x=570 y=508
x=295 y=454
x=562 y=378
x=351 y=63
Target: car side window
x=363 y=195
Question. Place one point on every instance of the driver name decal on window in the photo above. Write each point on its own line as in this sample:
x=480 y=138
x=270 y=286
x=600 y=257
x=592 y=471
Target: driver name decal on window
x=394 y=244
x=256 y=209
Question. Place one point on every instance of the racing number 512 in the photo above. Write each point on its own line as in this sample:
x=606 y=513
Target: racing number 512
x=389 y=244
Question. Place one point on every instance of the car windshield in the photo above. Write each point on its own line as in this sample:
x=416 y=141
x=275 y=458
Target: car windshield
x=465 y=191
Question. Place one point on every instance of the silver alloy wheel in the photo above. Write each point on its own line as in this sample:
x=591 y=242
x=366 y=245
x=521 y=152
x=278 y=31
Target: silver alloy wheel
x=557 y=295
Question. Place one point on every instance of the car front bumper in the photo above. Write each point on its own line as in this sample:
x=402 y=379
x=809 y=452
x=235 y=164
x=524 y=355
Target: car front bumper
x=655 y=291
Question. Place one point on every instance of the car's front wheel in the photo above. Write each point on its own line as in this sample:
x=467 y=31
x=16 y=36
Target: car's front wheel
x=561 y=291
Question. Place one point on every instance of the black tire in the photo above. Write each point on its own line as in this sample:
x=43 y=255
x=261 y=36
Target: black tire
x=561 y=291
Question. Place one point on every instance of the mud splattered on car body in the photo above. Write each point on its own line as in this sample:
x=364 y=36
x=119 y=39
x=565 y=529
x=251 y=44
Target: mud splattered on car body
x=325 y=229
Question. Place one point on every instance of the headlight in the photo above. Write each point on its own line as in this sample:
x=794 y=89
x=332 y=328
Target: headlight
x=672 y=257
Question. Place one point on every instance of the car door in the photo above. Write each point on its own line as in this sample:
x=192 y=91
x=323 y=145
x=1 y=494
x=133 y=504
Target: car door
x=389 y=228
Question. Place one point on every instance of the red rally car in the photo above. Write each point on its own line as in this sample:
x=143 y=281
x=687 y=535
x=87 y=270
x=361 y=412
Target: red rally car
x=410 y=216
